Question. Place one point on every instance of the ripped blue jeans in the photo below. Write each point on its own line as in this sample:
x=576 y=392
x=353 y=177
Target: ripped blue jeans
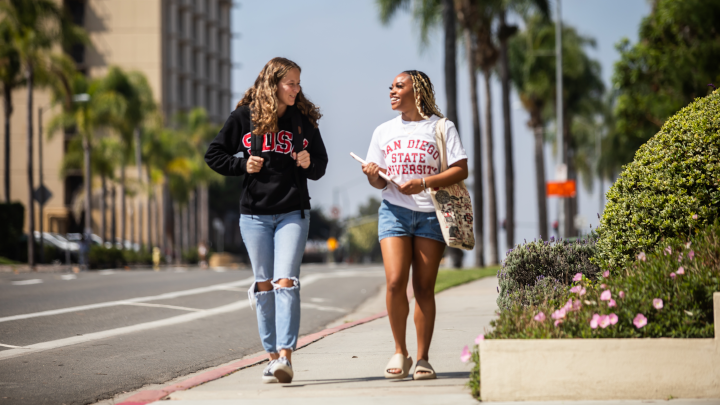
x=275 y=244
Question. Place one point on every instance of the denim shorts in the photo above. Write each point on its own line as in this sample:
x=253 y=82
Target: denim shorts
x=394 y=220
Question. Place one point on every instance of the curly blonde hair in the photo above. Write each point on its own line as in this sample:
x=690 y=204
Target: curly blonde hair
x=263 y=101
x=424 y=94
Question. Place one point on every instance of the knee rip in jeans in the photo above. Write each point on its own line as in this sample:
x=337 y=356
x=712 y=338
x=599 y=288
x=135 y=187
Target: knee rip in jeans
x=277 y=286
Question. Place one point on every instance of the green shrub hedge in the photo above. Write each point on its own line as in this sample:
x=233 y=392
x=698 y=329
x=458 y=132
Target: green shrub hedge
x=671 y=188
x=670 y=291
x=540 y=270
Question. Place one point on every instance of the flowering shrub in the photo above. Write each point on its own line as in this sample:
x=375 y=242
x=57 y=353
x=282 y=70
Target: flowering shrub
x=668 y=293
x=539 y=271
x=672 y=186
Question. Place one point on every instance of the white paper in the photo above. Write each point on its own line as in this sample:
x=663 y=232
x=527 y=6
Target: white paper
x=383 y=175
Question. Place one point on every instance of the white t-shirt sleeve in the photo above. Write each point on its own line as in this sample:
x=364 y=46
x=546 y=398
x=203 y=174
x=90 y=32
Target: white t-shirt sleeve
x=375 y=154
x=455 y=150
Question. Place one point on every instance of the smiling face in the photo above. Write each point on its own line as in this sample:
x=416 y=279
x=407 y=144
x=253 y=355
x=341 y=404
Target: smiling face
x=402 y=96
x=288 y=88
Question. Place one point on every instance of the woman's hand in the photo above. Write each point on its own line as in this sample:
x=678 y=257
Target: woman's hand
x=411 y=187
x=302 y=159
x=371 y=170
x=254 y=164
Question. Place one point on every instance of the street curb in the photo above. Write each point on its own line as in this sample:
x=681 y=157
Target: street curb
x=148 y=396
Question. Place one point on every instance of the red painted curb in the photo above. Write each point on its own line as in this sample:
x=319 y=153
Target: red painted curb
x=148 y=396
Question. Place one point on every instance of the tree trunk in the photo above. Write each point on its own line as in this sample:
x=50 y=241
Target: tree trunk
x=30 y=75
x=123 y=211
x=151 y=241
x=185 y=227
x=449 y=26
x=477 y=154
x=192 y=220
x=159 y=223
x=509 y=164
x=490 y=172
x=570 y=205
x=87 y=180
x=113 y=215
x=103 y=213
x=166 y=234
x=204 y=216
x=132 y=226
x=138 y=163
x=177 y=226
x=540 y=181
x=7 y=96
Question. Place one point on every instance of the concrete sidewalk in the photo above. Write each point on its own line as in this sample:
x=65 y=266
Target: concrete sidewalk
x=347 y=367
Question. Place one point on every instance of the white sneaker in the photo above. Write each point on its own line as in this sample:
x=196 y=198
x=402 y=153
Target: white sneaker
x=282 y=370
x=268 y=377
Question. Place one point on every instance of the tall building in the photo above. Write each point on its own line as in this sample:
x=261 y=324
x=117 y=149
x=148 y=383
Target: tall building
x=182 y=46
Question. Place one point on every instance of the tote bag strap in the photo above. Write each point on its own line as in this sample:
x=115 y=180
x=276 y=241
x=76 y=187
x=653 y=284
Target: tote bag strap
x=441 y=143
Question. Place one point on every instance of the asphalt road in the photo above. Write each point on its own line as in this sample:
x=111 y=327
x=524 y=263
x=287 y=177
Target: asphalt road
x=79 y=339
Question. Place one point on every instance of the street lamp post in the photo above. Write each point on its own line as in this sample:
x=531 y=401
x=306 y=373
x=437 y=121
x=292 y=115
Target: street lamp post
x=87 y=231
x=559 y=109
x=41 y=199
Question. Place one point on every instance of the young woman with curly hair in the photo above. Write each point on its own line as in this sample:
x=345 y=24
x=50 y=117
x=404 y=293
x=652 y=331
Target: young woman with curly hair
x=272 y=139
x=405 y=149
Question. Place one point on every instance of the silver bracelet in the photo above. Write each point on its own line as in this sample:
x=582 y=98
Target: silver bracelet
x=423 y=183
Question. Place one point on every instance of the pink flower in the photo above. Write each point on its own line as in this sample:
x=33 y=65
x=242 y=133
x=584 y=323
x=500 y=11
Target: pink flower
x=578 y=277
x=540 y=317
x=642 y=256
x=657 y=303
x=606 y=295
x=694 y=216
x=465 y=355
x=604 y=321
x=640 y=321
x=606 y=273
x=602 y=286
x=681 y=270
x=672 y=276
x=622 y=294
x=680 y=257
x=558 y=322
x=576 y=305
x=613 y=319
x=575 y=289
x=594 y=321
x=582 y=291
x=667 y=250
x=559 y=314
x=611 y=303
x=691 y=254
x=568 y=306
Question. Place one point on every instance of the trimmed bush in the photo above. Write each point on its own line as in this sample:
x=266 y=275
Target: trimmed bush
x=671 y=188
x=665 y=294
x=101 y=257
x=540 y=270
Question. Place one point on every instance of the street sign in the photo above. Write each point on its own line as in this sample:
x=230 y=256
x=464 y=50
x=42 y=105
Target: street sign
x=42 y=195
x=335 y=212
x=561 y=188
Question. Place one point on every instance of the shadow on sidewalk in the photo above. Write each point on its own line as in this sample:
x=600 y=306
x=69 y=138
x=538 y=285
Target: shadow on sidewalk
x=440 y=376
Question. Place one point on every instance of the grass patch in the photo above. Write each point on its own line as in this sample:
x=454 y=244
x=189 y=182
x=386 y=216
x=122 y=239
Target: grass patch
x=4 y=260
x=452 y=278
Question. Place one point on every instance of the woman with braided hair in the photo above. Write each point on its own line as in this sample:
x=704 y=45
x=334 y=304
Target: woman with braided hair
x=404 y=148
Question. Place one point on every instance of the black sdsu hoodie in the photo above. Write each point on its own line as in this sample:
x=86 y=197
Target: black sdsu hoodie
x=280 y=186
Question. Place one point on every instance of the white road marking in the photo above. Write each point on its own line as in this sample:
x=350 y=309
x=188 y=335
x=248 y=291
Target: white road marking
x=246 y=282
x=321 y=307
x=27 y=282
x=106 y=272
x=68 y=277
x=11 y=346
x=318 y=299
x=233 y=289
x=219 y=269
x=40 y=347
x=145 y=304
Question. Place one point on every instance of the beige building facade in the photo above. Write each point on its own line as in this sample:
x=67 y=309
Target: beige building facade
x=183 y=48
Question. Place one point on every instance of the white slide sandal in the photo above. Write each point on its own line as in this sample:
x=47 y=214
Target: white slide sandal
x=428 y=373
x=401 y=363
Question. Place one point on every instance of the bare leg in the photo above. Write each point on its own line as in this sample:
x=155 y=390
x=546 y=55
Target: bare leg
x=397 y=255
x=427 y=254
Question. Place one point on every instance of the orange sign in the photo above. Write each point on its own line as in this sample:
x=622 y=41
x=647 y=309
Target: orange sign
x=332 y=244
x=561 y=188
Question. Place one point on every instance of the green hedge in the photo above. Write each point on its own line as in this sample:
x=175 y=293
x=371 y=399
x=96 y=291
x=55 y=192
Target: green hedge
x=671 y=188
x=540 y=270
x=671 y=288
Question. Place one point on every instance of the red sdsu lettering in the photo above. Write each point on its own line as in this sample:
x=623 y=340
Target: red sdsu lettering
x=280 y=142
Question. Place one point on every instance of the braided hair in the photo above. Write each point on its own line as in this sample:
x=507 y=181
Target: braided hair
x=424 y=94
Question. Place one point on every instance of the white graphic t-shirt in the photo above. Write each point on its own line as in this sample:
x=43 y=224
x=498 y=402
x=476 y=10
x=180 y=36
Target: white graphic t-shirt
x=407 y=150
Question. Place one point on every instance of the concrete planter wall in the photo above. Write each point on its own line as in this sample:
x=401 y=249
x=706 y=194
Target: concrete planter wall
x=601 y=369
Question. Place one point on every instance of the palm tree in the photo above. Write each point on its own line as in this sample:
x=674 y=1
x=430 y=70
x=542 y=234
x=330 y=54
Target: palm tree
x=10 y=78
x=34 y=28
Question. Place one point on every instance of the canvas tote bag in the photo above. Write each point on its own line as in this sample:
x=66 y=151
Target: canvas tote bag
x=452 y=204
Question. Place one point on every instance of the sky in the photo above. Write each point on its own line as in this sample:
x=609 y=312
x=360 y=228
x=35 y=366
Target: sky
x=349 y=59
